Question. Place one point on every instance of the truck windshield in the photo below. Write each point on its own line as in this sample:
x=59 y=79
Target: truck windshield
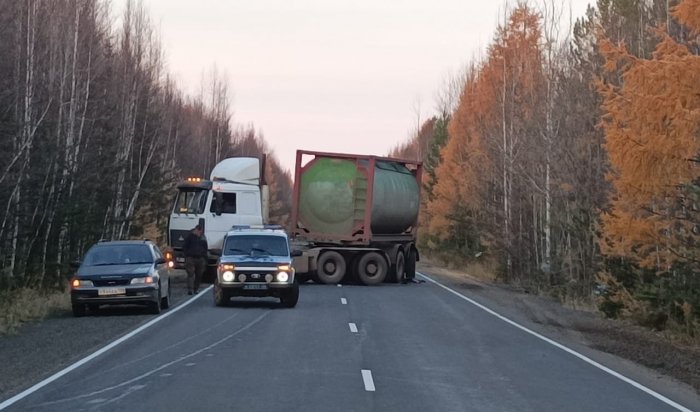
x=190 y=201
x=256 y=245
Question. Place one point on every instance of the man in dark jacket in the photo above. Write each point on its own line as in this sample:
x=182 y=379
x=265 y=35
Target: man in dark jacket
x=195 y=249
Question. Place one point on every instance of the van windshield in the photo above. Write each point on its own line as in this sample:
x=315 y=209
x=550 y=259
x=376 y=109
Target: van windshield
x=190 y=201
x=256 y=245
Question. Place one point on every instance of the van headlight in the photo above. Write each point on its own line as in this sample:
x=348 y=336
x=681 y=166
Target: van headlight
x=228 y=276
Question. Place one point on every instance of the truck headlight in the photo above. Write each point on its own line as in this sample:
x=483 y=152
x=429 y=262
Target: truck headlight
x=228 y=276
x=282 y=276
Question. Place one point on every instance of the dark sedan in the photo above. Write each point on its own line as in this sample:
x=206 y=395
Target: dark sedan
x=121 y=272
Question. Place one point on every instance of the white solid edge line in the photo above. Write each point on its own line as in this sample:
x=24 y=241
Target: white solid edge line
x=564 y=348
x=99 y=352
x=368 y=381
x=353 y=327
x=343 y=301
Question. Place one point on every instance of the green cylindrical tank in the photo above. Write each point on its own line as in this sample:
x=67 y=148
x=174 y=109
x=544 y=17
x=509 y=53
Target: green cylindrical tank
x=333 y=193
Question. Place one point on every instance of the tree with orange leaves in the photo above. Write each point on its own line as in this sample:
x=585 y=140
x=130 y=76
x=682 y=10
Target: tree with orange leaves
x=652 y=129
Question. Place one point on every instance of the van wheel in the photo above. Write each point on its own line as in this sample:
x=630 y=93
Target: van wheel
x=331 y=267
x=372 y=268
x=290 y=297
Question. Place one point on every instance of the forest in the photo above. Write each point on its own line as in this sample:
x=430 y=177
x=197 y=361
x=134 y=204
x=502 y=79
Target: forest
x=566 y=161
x=95 y=134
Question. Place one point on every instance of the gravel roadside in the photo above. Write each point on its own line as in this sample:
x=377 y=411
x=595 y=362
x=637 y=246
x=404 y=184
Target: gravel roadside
x=41 y=349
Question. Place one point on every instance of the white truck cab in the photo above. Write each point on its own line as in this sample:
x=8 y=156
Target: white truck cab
x=233 y=195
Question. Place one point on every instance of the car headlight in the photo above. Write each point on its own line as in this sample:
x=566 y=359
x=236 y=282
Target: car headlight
x=142 y=281
x=81 y=283
x=282 y=277
x=228 y=276
x=227 y=266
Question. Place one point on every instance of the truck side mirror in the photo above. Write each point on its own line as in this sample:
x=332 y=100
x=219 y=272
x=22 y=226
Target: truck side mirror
x=218 y=203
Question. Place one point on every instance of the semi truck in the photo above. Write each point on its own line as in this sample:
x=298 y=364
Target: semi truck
x=355 y=216
x=234 y=194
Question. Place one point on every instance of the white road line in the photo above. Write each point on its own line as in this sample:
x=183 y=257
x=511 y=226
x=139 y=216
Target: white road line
x=99 y=352
x=353 y=327
x=339 y=285
x=566 y=349
x=343 y=301
x=367 y=379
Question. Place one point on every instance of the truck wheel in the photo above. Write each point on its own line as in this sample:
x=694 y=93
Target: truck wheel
x=221 y=297
x=411 y=264
x=290 y=297
x=331 y=267
x=400 y=267
x=372 y=268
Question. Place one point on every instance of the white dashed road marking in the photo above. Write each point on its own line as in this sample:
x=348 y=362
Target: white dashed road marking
x=367 y=379
x=353 y=327
x=343 y=301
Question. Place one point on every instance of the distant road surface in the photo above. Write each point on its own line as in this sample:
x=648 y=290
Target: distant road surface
x=416 y=347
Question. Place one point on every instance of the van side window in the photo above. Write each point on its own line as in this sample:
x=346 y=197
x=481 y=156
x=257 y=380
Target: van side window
x=227 y=201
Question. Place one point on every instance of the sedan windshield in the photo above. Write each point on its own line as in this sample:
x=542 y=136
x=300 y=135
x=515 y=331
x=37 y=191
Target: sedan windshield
x=256 y=245
x=118 y=255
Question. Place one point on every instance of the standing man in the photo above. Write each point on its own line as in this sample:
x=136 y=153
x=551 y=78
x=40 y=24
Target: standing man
x=195 y=249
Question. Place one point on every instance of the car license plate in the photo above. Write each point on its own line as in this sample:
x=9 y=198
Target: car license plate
x=180 y=259
x=111 y=291
x=255 y=287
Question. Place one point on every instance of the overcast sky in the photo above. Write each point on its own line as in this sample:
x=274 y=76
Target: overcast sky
x=330 y=75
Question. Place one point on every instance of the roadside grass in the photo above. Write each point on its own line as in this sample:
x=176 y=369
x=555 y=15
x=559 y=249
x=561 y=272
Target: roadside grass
x=25 y=305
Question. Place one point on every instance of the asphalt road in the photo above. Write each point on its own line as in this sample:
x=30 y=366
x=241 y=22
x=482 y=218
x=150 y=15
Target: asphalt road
x=413 y=347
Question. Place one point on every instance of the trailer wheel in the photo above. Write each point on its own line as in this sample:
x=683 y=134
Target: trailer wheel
x=399 y=267
x=331 y=267
x=372 y=268
x=411 y=264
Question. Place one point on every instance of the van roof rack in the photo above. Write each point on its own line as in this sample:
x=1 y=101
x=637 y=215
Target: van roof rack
x=257 y=227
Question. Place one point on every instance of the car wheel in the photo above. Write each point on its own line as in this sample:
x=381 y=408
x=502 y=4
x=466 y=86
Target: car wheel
x=290 y=297
x=221 y=296
x=372 y=268
x=400 y=267
x=165 y=301
x=78 y=310
x=331 y=267
x=155 y=306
